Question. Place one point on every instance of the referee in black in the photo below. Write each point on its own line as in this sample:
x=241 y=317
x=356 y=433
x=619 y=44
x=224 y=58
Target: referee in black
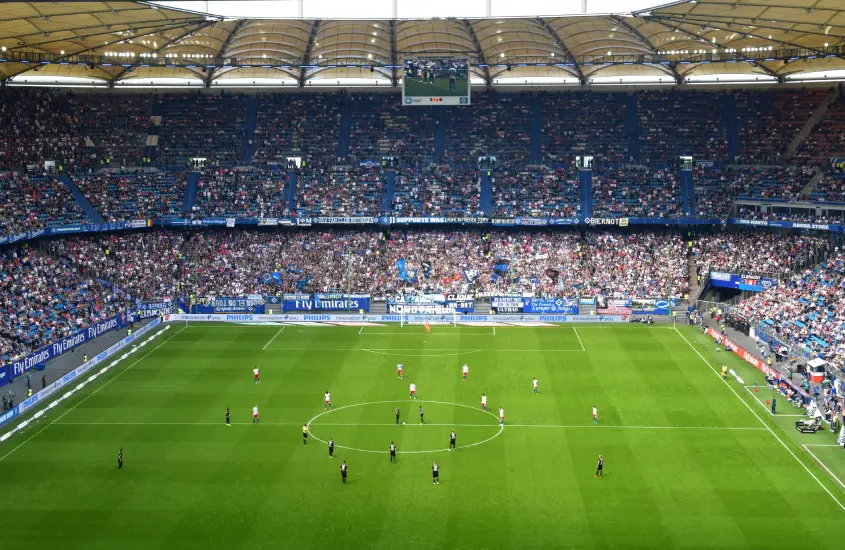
x=397 y=416
x=392 y=451
x=599 y=467
x=435 y=473
x=120 y=459
x=422 y=412
x=343 y=472
x=331 y=448
x=228 y=417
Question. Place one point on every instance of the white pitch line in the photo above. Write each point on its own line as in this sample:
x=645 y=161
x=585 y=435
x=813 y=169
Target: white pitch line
x=757 y=416
x=83 y=400
x=274 y=337
x=493 y=350
x=415 y=425
x=575 y=330
x=839 y=481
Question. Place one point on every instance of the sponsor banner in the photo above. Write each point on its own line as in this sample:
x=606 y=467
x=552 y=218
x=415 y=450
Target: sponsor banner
x=788 y=225
x=621 y=222
x=30 y=402
x=211 y=304
x=327 y=302
x=741 y=282
x=435 y=220
x=51 y=351
x=275 y=300
x=154 y=309
x=431 y=303
x=651 y=307
x=614 y=310
x=396 y=318
x=5 y=375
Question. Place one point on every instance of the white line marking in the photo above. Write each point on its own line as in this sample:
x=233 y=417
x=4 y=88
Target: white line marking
x=109 y=381
x=361 y=331
x=494 y=436
x=428 y=424
x=389 y=353
x=494 y=331
x=371 y=350
x=575 y=330
x=821 y=445
x=839 y=481
x=274 y=337
x=744 y=402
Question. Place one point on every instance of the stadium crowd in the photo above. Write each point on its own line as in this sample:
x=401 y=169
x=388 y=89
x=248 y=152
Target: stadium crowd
x=437 y=191
x=538 y=193
x=348 y=191
x=42 y=300
x=636 y=193
x=758 y=252
x=296 y=125
x=120 y=196
x=32 y=202
x=242 y=193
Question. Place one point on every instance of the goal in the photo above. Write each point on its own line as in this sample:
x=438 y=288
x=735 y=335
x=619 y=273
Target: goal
x=447 y=318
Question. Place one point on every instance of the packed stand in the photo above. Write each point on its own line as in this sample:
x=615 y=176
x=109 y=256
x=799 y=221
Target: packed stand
x=715 y=191
x=437 y=191
x=42 y=300
x=496 y=124
x=115 y=126
x=247 y=193
x=202 y=125
x=539 y=193
x=410 y=133
x=585 y=123
x=757 y=253
x=141 y=266
x=132 y=196
x=769 y=120
x=674 y=123
x=827 y=138
x=368 y=128
x=772 y=183
x=305 y=125
x=636 y=193
x=38 y=125
x=33 y=202
x=807 y=310
x=830 y=188
x=342 y=191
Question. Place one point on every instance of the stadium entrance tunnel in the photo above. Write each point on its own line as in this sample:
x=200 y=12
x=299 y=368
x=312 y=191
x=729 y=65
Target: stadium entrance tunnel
x=370 y=427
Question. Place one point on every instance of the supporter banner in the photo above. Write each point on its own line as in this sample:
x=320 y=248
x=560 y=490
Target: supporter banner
x=393 y=318
x=507 y=304
x=154 y=309
x=211 y=304
x=5 y=376
x=741 y=282
x=326 y=302
x=51 y=351
x=436 y=220
x=431 y=303
x=30 y=402
x=337 y=220
x=520 y=304
x=651 y=307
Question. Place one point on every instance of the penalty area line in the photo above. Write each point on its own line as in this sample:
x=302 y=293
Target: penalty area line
x=823 y=465
x=274 y=337
x=763 y=422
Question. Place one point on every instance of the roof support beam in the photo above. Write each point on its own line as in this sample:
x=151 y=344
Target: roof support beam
x=306 y=60
x=222 y=53
x=479 y=53
x=621 y=20
x=394 y=80
x=675 y=27
x=543 y=23
x=111 y=29
x=726 y=28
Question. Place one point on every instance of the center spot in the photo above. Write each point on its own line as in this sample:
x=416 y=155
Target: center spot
x=370 y=427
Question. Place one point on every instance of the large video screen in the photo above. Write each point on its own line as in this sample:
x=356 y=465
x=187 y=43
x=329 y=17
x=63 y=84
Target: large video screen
x=432 y=81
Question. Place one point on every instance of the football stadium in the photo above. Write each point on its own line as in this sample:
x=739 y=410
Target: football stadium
x=484 y=274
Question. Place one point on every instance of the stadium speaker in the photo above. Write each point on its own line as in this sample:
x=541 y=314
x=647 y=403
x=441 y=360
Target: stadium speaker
x=372 y=69
x=509 y=67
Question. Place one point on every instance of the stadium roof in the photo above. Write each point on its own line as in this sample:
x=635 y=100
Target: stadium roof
x=138 y=43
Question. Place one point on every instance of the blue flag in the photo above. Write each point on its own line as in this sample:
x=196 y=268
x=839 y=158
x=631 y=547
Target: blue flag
x=470 y=275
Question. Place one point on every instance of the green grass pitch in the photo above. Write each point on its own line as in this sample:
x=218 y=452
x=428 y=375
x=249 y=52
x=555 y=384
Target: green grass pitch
x=688 y=462
x=440 y=88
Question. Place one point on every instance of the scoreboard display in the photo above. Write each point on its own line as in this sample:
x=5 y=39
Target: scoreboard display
x=435 y=80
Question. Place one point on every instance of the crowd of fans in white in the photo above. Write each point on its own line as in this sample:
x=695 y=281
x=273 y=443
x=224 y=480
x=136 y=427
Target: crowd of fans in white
x=246 y=193
x=758 y=253
x=32 y=202
x=131 y=196
x=345 y=191
x=538 y=193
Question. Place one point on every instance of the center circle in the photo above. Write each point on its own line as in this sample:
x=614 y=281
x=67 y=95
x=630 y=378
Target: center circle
x=379 y=414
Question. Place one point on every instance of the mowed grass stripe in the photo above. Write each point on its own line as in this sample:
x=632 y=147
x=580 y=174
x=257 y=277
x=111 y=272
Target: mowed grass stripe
x=259 y=487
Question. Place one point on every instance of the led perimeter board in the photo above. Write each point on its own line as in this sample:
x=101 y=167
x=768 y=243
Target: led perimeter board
x=435 y=80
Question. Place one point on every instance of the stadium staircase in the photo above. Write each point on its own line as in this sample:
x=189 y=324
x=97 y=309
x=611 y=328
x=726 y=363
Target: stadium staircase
x=536 y=148
x=249 y=130
x=694 y=287
x=486 y=193
x=87 y=208
x=190 y=191
x=387 y=195
x=633 y=127
x=585 y=178
x=344 y=130
x=807 y=191
x=442 y=118
x=291 y=192
x=151 y=146
x=731 y=124
x=687 y=193
x=811 y=123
